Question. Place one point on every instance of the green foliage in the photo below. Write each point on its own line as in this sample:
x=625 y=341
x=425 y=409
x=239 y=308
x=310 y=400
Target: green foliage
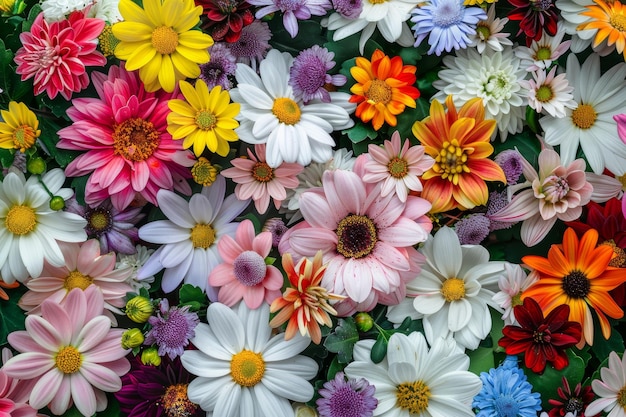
x=12 y=317
x=194 y=297
x=342 y=340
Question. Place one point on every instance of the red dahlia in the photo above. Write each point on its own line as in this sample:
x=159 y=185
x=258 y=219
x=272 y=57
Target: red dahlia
x=226 y=18
x=534 y=16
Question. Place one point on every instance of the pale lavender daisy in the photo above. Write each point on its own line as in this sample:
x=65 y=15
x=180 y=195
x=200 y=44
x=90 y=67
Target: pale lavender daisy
x=253 y=43
x=220 y=68
x=172 y=328
x=550 y=93
x=308 y=74
x=347 y=398
x=489 y=32
x=292 y=10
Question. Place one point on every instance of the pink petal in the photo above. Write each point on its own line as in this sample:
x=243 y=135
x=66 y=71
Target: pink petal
x=523 y=206
x=22 y=342
x=59 y=318
x=101 y=377
x=46 y=388
x=43 y=333
x=61 y=400
x=28 y=365
x=535 y=229
x=108 y=350
x=92 y=334
x=83 y=395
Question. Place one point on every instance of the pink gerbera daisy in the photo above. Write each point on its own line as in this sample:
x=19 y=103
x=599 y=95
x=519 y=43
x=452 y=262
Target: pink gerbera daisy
x=244 y=273
x=71 y=352
x=257 y=180
x=129 y=152
x=367 y=239
x=56 y=54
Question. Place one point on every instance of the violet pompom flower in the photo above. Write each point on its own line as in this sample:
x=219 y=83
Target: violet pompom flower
x=497 y=201
x=351 y=398
x=276 y=226
x=220 y=68
x=511 y=163
x=253 y=43
x=350 y=9
x=472 y=229
x=172 y=329
x=308 y=74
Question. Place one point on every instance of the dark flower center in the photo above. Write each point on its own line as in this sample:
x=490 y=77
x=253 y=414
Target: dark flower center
x=576 y=284
x=542 y=335
x=176 y=403
x=574 y=405
x=356 y=236
x=98 y=221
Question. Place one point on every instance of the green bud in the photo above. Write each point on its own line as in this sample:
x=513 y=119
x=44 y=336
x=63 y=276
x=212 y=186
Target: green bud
x=57 y=203
x=150 y=356
x=36 y=165
x=364 y=322
x=139 y=309
x=132 y=338
x=302 y=410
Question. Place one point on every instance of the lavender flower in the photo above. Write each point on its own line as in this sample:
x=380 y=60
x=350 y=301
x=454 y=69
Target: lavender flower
x=277 y=227
x=292 y=10
x=350 y=9
x=473 y=229
x=220 y=67
x=171 y=329
x=351 y=398
x=511 y=163
x=252 y=44
x=497 y=201
x=308 y=74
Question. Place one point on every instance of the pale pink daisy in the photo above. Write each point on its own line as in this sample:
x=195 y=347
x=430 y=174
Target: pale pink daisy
x=84 y=266
x=14 y=393
x=549 y=93
x=244 y=275
x=367 y=240
x=128 y=151
x=512 y=284
x=257 y=180
x=397 y=166
x=542 y=53
x=71 y=352
x=489 y=32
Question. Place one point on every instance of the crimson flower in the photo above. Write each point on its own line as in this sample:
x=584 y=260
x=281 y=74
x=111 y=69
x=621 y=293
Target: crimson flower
x=541 y=339
x=609 y=221
x=534 y=16
x=226 y=18
x=571 y=401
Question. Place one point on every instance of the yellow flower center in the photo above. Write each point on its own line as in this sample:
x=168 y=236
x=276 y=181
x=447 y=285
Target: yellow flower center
x=68 y=360
x=378 y=92
x=584 y=116
x=621 y=397
x=262 y=172
x=247 y=368
x=205 y=120
x=356 y=236
x=543 y=53
x=203 y=172
x=24 y=137
x=618 y=21
x=413 y=396
x=516 y=300
x=450 y=162
x=483 y=31
x=164 y=40
x=99 y=221
x=176 y=403
x=286 y=111
x=21 y=220
x=453 y=289
x=202 y=236
x=135 y=139
x=377 y=1
x=398 y=167
x=544 y=93
x=77 y=280
x=107 y=41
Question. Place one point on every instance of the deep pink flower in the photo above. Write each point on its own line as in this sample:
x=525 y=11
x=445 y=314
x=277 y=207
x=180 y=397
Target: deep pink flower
x=56 y=54
x=129 y=152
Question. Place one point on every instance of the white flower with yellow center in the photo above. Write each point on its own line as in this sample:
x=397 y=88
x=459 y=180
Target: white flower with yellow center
x=270 y=113
x=244 y=371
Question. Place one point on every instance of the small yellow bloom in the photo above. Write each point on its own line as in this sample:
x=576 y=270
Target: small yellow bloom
x=203 y=172
x=139 y=309
x=132 y=338
x=20 y=128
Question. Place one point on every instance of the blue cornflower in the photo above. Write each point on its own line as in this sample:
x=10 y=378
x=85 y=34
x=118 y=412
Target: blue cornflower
x=506 y=393
x=447 y=23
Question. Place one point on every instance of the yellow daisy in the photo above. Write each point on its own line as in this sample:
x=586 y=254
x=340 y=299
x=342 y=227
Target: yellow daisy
x=20 y=128
x=160 y=42
x=204 y=119
x=609 y=17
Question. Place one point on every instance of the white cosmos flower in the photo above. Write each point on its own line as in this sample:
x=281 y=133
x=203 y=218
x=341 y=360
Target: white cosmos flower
x=270 y=113
x=244 y=371
x=30 y=229
x=610 y=389
x=190 y=235
x=414 y=380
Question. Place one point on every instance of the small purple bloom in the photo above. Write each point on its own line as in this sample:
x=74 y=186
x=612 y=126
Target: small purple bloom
x=350 y=9
x=171 y=329
x=496 y=202
x=473 y=229
x=277 y=228
x=351 y=398
x=511 y=163
x=292 y=10
x=308 y=77
x=220 y=67
x=253 y=43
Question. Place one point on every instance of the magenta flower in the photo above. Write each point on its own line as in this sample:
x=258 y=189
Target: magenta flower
x=71 y=352
x=171 y=329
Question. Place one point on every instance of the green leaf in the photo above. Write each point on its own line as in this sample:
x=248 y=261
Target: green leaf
x=360 y=131
x=333 y=368
x=11 y=316
x=113 y=408
x=192 y=296
x=78 y=185
x=481 y=360
x=343 y=339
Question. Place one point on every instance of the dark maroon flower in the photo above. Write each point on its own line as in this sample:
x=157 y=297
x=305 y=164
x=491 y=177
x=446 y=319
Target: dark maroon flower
x=609 y=221
x=541 y=339
x=226 y=18
x=571 y=402
x=534 y=16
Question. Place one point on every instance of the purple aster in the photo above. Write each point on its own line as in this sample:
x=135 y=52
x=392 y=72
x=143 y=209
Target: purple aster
x=497 y=200
x=292 y=10
x=171 y=329
x=308 y=77
x=447 y=23
x=253 y=43
x=220 y=68
x=350 y=9
x=472 y=229
x=511 y=163
x=276 y=226
x=351 y=398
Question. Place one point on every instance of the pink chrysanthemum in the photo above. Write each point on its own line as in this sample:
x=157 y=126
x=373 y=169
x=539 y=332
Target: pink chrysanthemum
x=71 y=352
x=244 y=275
x=171 y=329
x=367 y=239
x=255 y=179
x=129 y=152
x=56 y=54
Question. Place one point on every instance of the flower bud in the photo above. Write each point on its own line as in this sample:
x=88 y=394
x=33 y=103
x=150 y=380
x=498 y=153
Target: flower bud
x=57 y=203
x=139 y=309
x=364 y=322
x=132 y=338
x=36 y=166
x=150 y=356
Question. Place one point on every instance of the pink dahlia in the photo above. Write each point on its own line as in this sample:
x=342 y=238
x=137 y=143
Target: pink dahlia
x=71 y=353
x=367 y=239
x=56 y=54
x=129 y=152
x=244 y=273
x=255 y=179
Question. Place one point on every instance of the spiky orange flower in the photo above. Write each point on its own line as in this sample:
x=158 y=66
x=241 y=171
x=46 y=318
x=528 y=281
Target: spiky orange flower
x=384 y=87
x=305 y=303
x=460 y=142
x=577 y=273
x=609 y=17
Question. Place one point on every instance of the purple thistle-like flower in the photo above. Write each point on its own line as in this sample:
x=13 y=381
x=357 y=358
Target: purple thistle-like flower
x=220 y=67
x=473 y=229
x=253 y=43
x=276 y=226
x=171 y=329
x=511 y=163
x=292 y=10
x=350 y=9
x=497 y=201
x=351 y=398
x=307 y=75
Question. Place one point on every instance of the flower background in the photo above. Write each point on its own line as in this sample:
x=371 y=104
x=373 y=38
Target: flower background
x=334 y=208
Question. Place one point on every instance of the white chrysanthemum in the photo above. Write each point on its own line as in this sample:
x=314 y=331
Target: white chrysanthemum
x=493 y=76
x=271 y=114
x=414 y=380
x=55 y=10
x=30 y=229
x=244 y=371
x=455 y=288
x=590 y=124
x=136 y=261
x=610 y=389
x=107 y=10
x=489 y=32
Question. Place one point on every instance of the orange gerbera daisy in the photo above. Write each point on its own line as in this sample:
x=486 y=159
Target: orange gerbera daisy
x=460 y=143
x=383 y=89
x=609 y=17
x=577 y=273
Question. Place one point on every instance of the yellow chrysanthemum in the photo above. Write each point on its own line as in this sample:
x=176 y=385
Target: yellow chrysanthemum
x=158 y=40
x=609 y=17
x=205 y=119
x=20 y=128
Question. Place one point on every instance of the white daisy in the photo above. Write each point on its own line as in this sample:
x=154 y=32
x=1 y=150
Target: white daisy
x=549 y=93
x=30 y=229
x=414 y=380
x=511 y=285
x=571 y=13
x=244 y=371
x=493 y=76
x=271 y=114
x=489 y=32
x=541 y=54
x=610 y=389
x=590 y=124
x=190 y=235
x=455 y=288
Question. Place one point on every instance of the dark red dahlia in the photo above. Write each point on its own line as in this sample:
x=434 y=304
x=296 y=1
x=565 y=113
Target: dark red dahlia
x=571 y=402
x=541 y=339
x=534 y=16
x=609 y=221
x=226 y=18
